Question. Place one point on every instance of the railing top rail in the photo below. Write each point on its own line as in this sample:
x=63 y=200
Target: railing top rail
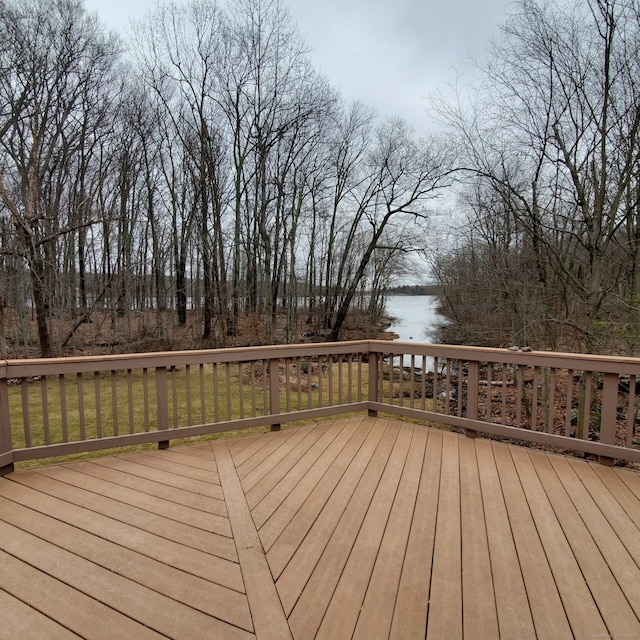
x=559 y=360
x=73 y=364
x=79 y=364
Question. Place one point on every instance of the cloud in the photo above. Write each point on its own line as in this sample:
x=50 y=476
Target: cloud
x=390 y=55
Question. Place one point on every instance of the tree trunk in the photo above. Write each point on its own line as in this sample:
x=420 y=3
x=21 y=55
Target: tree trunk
x=40 y=303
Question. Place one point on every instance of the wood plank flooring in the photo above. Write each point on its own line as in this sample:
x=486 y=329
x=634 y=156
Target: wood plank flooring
x=355 y=528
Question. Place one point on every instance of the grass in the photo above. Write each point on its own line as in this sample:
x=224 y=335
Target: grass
x=71 y=408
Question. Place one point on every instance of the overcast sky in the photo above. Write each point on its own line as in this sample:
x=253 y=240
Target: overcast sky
x=390 y=54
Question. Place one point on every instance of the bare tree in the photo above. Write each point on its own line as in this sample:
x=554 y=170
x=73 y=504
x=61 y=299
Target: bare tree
x=350 y=143
x=179 y=50
x=56 y=63
x=281 y=100
x=554 y=132
x=400 y=177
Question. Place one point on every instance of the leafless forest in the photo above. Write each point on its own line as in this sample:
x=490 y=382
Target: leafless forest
x=201 y=184
x=202 y=174
x=549 y=250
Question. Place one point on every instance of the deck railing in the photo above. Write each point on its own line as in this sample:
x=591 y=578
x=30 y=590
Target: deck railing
x=52 y=407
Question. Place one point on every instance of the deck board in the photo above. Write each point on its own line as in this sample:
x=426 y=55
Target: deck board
x=85 y=616
x=604 y=554
x=319 y=461
x=268 y=452
x=254 y=447
x=632 y=480
x=28 y=623
x=445 y=594
x=161 y=477
x=257 y=477
x=140 y=500
x=200 y=450
x=176 y=495
x=478 y=598
x=276 y=471
x=512 y=604
x=74 y=496
x=309 y=610
x=358 y=528
x=190 y=457
x=619 y=490
x=137 y=602
x=299 y=473
x=376 y=615
x=298 y=527
x=622 y=526
x=169 y=464
x=581 y=609
x=607 y=593
x=295 y=575
x=268 y=616
x=217 y=569
x=412 y=600
x=206 y=595
x=546 y=607
x=348 y=598
x=236 y=445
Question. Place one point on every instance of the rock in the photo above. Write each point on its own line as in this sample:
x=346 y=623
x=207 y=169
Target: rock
x=514 y=348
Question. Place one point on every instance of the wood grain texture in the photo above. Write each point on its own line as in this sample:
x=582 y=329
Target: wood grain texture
x=363 y=527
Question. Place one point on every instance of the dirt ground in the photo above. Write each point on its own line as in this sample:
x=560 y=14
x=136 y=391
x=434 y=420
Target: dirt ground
x=146 y=331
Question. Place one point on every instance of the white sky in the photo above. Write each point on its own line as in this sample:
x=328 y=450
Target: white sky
x=390 y=54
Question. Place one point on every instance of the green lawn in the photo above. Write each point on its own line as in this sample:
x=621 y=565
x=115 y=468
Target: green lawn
x=121 y=402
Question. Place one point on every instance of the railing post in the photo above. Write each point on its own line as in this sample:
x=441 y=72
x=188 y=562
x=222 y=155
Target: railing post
x=373 y=381
x=473 y=388
x=6 y=443
x=609 y=413
x=162 y=404
x=274 y=390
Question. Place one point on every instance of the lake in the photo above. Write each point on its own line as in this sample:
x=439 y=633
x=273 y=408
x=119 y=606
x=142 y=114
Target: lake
x=416 y=318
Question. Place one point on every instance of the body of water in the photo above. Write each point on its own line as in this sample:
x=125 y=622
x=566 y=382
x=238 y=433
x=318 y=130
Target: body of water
x=416 y=317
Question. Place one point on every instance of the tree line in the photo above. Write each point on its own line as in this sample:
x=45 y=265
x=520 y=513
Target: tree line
x=203 y=167
x=547 y=251
x=204 y=173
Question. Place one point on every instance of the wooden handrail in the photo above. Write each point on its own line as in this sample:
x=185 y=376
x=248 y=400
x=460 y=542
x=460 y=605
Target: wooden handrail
x=573 y=401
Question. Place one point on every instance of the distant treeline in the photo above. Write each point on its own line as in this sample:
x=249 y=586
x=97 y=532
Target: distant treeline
x=416 y=290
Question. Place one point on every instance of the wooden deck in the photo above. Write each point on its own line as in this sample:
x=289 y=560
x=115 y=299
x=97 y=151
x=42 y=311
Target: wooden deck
x=358 y=528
